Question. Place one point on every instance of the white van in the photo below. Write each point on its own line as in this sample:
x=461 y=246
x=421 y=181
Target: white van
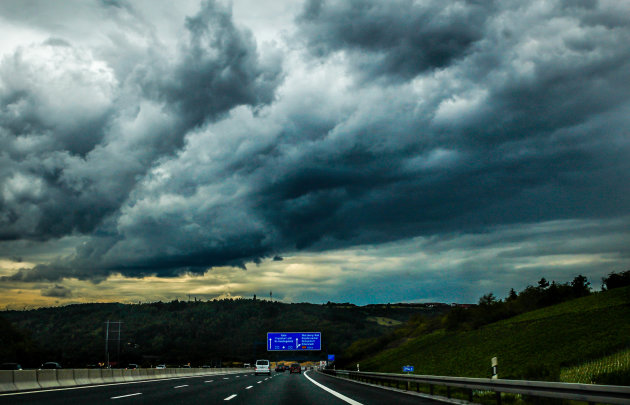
x=262 y=367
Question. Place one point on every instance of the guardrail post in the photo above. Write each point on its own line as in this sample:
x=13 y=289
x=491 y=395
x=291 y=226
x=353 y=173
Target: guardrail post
x=431 y=389
x=470 y=395
x=448 y=391
x=498 y=398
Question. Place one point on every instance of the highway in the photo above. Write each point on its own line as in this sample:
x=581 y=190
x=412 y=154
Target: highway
x=281 y=388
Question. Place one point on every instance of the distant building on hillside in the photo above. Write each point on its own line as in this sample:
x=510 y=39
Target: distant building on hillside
x=456 y=305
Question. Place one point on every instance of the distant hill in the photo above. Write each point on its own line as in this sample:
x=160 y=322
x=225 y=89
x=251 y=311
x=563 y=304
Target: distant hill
x=15 y=345
x=534 y=345
x=198 y=332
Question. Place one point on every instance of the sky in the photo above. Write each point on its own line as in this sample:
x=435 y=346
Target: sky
x=356 y=151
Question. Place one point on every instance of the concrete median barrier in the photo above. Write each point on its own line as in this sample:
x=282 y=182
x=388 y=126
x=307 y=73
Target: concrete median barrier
x=81 y=376
x=117 y=375
x=95 y=376
x=47 y=378
x=143 y=374
x=127 y=375
x=26 y=380
x=65 y=377
x=6 y=380
x=108 y=375
x=151 y=373
x=183 y=372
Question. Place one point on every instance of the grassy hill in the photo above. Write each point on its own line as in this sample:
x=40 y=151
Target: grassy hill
x=534 y=345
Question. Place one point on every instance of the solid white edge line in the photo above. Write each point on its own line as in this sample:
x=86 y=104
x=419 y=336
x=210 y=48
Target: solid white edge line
x=230 y=397
x=335 y=393
x=128 y=395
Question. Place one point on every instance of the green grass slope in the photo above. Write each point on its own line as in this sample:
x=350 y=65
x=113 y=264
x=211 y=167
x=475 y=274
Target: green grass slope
x=534 y=345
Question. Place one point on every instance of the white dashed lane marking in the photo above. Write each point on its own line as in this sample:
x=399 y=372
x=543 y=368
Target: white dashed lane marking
x=128 y=395
x=181 y=386
x=230 y=397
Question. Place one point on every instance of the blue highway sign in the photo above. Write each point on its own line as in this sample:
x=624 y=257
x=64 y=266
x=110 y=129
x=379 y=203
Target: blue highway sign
x=407 y=369
x=279 y=341
x=331 y=357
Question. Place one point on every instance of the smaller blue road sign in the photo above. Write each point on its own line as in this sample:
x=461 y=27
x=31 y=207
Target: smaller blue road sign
x=331 y=357
x=303 y=341
x=407 y=369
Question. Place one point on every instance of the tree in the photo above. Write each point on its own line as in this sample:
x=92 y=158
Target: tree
x=580 y=286
x=512 y=296
x=616 y=280
x=543 y=283
x=487 y=299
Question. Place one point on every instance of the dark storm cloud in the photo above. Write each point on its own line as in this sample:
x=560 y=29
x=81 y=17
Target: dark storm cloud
x=57 y=291
x=76 y=136
x=400 y=38
x=219 y=69
x=489 y=116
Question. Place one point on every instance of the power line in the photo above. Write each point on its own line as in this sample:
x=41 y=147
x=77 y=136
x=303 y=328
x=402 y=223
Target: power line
x=115 y=338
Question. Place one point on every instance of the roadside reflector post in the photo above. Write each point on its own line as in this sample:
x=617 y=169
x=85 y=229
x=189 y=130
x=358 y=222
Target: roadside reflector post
x=495 y=368
x=358 y=367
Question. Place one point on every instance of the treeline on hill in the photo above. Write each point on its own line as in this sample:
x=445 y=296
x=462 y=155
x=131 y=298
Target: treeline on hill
x=179 y=332
x=16 y=344
x=487 y=311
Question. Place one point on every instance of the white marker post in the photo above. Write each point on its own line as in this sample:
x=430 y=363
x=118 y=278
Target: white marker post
x=495 y=368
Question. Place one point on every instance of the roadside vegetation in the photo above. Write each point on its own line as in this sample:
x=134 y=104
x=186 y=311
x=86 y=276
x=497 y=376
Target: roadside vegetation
x=613 y=369
x=548 y=332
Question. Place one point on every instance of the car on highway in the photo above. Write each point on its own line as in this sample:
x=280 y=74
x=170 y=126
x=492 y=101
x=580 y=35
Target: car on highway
x=132 y=366
x=160 y=366
x=280 y=368
x=50 y=365
x=295 y=368
x=10 y=366
x=262 y=367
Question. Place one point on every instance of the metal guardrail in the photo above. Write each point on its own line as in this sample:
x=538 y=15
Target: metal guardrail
x=607 y=394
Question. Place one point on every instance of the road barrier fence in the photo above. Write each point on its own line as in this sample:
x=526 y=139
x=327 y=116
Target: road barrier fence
x=26 y=380
x=591 y=393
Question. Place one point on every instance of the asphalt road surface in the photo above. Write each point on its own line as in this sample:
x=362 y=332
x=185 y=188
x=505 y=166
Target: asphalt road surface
x=310 y=388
